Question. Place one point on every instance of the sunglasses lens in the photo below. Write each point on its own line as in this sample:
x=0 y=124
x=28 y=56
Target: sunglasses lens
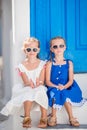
x=61 y=46
x=55 y=47
x=31 y=49
x=28 y=49
x=35 y=49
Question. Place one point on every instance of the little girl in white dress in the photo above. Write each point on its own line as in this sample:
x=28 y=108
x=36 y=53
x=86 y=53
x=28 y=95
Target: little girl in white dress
x=32 y=92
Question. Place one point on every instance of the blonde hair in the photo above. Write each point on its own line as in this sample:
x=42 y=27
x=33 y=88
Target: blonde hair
x=29 y=40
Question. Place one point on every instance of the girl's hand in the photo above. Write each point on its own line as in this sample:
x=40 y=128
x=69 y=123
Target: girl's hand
x=61 y=87
x=31 y=83
x=39 y=82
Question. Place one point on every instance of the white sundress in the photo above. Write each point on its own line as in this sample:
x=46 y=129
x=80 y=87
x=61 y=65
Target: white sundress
x=20 y=93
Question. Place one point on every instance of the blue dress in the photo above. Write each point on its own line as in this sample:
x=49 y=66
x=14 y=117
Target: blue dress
x=73 y=94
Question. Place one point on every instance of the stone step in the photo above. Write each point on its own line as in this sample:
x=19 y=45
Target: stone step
x=79 y=112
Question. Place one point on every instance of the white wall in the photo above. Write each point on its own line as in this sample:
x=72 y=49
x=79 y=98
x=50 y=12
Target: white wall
x=82 y=81
x=20 y=30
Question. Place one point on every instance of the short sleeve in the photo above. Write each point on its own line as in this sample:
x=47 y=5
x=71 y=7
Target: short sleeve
x=21 y=68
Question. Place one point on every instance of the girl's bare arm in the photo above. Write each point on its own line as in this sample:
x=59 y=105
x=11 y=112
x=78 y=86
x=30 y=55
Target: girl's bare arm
x=71 y=76
x=48 y=73
x=26 y=81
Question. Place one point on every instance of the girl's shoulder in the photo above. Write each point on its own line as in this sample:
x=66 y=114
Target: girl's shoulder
x=24 y=62
x=48 y=63
x=68 y=60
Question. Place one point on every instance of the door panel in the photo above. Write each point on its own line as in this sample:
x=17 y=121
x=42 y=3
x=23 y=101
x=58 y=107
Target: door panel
x=66 y=18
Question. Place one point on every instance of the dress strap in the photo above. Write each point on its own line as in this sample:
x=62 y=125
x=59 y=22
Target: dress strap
x=67 y=62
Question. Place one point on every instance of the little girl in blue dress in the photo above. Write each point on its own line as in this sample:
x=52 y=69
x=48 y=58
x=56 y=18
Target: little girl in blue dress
x=62 y=88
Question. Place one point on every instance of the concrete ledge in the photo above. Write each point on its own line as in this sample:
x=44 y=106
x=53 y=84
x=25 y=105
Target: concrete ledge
x=79 y=112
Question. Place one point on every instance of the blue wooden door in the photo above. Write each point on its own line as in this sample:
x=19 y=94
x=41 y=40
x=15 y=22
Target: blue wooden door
x=66 y=18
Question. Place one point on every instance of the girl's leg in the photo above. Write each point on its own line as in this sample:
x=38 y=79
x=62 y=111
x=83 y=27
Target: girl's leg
x=53 y=112
x=27 y=119
x=52 y=121
x=43 y=120
x=27 y=108
x=69 y=109
x=43 y=112
x=72 y=120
